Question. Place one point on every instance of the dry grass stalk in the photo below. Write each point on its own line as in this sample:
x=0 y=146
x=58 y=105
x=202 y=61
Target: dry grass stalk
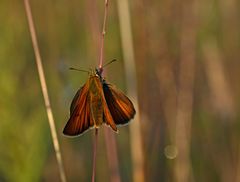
x=130 y=69
x=183 y=169
x=45 y=91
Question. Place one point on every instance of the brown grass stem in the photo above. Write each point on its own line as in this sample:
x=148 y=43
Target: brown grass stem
x=112 y=155
x=95 y=141
x=44 y=90
x=130 y=70
x=103 y=34
x=185 y=95
x=101 y=69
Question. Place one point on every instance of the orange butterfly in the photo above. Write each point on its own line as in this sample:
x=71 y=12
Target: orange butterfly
x=95 y=103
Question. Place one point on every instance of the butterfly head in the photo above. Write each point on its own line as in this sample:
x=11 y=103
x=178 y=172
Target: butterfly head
x=98 y=72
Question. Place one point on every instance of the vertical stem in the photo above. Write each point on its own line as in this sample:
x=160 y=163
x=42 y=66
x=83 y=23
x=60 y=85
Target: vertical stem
x=94 y=155
x=100 y=67
x=130 y=70
x=112 y=155
x=183 y=167
x=44 y=90
x=103 y=34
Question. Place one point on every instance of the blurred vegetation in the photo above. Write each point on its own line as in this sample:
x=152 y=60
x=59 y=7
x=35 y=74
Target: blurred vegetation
x=183 y=47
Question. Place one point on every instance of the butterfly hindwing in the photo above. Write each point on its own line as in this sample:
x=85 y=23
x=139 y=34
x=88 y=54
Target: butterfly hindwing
x=106 y=115
x=119 y=105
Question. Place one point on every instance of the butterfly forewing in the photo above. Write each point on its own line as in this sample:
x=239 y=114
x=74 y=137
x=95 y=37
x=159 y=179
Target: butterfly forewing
x=80 y=119
x=74 y=101
x=120 y=106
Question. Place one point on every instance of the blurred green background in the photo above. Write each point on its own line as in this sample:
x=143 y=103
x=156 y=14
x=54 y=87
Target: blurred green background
x=187 y=75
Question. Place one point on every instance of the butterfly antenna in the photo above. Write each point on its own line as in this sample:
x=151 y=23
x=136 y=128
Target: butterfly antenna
x=79 y=70
x=109 y=63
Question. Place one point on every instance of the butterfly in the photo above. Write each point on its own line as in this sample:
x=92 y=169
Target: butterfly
x=98 y=102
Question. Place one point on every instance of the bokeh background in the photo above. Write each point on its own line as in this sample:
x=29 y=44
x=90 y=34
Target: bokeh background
x=177 y=60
